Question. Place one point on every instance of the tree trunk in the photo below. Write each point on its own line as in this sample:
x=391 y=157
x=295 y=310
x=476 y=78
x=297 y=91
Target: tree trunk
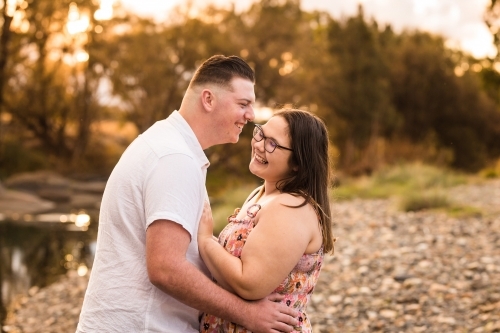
x=4 y=42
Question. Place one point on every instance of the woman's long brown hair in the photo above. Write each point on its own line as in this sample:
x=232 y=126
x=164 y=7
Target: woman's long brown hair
x=310 y=143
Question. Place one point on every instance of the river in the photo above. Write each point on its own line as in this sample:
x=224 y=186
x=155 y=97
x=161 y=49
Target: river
x=37 y=249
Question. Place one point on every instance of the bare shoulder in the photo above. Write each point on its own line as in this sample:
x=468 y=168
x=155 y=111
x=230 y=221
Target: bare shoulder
x=287 y=205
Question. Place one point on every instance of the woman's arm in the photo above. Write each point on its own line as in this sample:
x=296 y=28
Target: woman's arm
x=271 y=251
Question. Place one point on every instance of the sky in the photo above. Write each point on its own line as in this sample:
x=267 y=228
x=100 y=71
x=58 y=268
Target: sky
x=459 y=21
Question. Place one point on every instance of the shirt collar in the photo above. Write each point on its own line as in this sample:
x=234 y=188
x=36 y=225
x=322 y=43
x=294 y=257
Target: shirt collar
x=187 y=133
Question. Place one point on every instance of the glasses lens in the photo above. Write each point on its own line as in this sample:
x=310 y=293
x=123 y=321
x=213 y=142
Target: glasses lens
x=270 y=145
x=257 y=134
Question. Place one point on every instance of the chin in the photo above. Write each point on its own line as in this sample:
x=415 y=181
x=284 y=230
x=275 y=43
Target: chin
x=231 y=140
x=252 y=169
x=255 y=173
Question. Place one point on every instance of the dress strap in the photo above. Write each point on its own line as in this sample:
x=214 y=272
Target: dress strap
x=253 y=194
x=253 y=210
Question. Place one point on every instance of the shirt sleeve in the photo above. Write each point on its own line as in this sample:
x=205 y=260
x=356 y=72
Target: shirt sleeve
x=173 y=191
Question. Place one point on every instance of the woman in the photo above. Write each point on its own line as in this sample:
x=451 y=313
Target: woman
x=276 y=242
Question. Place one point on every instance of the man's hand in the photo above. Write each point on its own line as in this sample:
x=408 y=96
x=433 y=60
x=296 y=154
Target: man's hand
x=269 y=316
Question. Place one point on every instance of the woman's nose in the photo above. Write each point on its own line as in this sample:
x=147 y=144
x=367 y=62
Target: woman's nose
x=259 y=145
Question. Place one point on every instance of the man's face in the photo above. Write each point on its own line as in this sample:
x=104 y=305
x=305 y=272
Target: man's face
x=234 y=109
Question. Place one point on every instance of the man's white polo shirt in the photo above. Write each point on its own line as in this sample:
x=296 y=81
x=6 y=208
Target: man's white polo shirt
x=161 y=175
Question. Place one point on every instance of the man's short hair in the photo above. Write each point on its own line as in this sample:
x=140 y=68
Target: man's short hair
x=220 y=70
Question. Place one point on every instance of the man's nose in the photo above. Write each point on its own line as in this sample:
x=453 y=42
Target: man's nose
x=250 y=114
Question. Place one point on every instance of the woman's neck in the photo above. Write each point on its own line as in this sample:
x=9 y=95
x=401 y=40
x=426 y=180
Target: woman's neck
x=268 y=189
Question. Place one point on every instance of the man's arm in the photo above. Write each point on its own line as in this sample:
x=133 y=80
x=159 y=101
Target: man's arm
x=169 y=270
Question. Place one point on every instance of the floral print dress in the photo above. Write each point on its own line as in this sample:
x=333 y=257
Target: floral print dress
x=297 y=286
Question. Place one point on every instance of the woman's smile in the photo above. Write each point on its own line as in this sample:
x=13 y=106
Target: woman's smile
x=260 y=159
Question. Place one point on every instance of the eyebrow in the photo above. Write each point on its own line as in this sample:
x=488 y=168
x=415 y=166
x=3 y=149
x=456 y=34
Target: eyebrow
x=269 y=137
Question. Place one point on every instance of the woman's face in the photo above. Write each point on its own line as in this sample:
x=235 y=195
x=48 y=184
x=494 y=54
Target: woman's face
x=273 y=166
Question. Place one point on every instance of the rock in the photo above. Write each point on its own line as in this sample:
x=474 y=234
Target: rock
x=15 y=204
x=390 y=314
x=446 y=320
x=29 y=194
x=45 y=184
x=54 y=309
x=95 y=187
x=402 y=277
x=85 y=200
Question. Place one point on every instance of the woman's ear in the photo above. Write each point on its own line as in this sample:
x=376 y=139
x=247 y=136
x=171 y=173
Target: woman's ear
x=295 y=168
x=208 y=99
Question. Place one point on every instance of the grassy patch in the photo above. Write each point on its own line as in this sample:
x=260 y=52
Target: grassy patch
x=463 y=211
x=415 y=186
x=421 y=201
x=398 y=181
x=437 y=201
x=491 y=171
x=364 y=188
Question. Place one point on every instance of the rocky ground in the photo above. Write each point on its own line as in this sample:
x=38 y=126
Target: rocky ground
x=391 y=272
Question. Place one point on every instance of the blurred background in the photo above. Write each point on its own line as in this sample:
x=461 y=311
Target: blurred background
x=408 y=89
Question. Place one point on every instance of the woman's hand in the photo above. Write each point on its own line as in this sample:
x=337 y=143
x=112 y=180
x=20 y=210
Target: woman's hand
x=206 y=227
x=209 y=247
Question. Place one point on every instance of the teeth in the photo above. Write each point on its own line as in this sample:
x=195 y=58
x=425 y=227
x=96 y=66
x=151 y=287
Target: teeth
x=260 y=159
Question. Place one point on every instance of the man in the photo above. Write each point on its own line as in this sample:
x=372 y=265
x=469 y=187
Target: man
x=147 y=274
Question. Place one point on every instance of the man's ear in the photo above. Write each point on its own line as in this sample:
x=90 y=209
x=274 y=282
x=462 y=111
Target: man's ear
x=208 y=100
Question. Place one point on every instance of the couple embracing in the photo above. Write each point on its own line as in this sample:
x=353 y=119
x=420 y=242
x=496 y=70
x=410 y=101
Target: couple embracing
x=158 y=267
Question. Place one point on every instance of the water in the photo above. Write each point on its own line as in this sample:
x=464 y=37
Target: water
x=36 y=250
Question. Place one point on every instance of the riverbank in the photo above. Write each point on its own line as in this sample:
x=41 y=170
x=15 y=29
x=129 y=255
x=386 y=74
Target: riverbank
x=392 y=272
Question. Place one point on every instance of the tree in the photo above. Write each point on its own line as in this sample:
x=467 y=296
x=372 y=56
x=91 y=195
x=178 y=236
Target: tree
x=491 y=18
x=363 y=107
x=436 y=103
x=7 y=16
x=51 y=86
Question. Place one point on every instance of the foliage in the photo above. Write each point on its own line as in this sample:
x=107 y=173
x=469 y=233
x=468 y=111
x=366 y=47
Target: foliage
x=381 y=93
x=436 y=201
x=20 y=159
x=491 y=171
x=490 y=79
x=46 y=90
x=413 y=187
x=438 y=104
x=491 y=19
x=462 y=211
x=363 y=105
x=419 y=201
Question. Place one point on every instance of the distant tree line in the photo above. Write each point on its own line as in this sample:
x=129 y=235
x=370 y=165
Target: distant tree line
x=385 y=96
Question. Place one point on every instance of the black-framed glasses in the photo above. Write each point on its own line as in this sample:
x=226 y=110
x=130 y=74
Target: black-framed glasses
x=269 y=144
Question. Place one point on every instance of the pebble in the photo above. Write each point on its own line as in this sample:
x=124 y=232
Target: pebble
x=391 y=272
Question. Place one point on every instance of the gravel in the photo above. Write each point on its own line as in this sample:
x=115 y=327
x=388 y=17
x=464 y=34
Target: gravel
x=391 y=272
